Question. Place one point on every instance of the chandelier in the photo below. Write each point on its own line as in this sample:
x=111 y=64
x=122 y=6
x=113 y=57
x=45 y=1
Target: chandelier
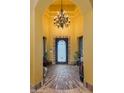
x=61 y=20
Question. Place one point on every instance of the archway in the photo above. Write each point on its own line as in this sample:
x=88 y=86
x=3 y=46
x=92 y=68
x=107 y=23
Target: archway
x=37 y=33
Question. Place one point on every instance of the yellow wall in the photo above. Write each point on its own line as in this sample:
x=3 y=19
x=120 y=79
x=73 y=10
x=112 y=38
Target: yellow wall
x=36 y=48
x=32 y=64
x=46 y=33
x=78 y=28
x=88 y=47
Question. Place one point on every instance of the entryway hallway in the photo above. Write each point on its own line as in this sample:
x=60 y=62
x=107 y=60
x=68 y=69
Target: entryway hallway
x=63 y=79
x=68 y=45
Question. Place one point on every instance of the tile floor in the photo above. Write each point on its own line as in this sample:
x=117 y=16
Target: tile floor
x=62 y=79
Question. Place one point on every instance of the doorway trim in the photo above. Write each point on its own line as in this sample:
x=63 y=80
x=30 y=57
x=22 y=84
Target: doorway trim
x=56 y=55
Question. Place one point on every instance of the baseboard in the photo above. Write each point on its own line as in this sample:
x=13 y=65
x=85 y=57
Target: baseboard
x=38 y=85
x=89 y=86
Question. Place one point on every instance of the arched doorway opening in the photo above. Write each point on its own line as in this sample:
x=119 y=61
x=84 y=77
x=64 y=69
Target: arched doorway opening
x=58 y=48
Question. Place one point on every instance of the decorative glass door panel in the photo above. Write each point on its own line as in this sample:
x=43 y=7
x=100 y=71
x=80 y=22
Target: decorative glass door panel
x=61 y=44
x=61 y=50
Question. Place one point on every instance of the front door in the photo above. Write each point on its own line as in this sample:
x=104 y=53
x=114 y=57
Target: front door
x=61 y=50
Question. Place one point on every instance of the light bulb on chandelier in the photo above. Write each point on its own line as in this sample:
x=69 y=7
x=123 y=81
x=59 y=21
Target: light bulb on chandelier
x=61 y=19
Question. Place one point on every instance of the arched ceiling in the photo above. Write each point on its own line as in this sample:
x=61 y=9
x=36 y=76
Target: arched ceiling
x=63 y=1
x=84 y=5
x=67 y=5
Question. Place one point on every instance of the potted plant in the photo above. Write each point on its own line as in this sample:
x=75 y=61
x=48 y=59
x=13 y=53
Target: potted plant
x=76 y=58
x=45 y=59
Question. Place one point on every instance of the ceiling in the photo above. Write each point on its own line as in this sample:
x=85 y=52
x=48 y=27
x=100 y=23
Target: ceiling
x=68 y=5
x=63 y=1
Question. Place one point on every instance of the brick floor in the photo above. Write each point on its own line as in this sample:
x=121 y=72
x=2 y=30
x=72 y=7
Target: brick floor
x=63 y=79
